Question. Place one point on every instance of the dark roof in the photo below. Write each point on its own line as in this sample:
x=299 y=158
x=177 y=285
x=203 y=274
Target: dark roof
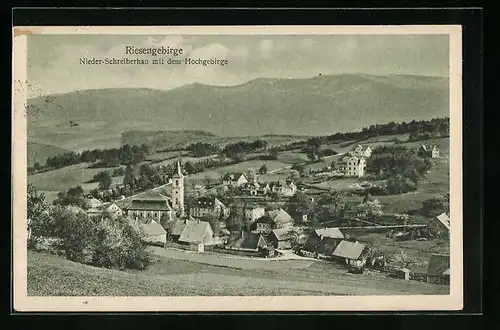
x=206 y=202
x=195 y=232
x=152 y=229
x=349 y=250
x=280 y=217
x=246 y=240
x=179 y=225
x=149 y=205
x=329 y=233
x=439 y=264
x=232 y=176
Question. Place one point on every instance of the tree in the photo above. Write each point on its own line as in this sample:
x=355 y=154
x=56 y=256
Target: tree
x=37 y=215
x=214 y=222
x=370 y=209
x=263 y=169
x=104 y=179
x=403 y=219
x=129 y=179
x=402 y=260
x=251 y=174
x=236 y=219
x=75 y=231
x=300 y=203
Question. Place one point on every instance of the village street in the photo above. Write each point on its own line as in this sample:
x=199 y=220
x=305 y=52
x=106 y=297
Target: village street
x=287 y=261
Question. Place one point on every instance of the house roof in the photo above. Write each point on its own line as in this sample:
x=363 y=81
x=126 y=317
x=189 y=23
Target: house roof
x=195 y=232
x=149 y=205
x=349 y=250
x=152 y=229
x=264 y=219
x=93 y=202
x=444 y=219
x=280 y=216
x=439 y=264
x=179 y=225
x=283 y=234
x=206 y=202
x=329 y=233
x=246 y=240
x=232 y=176
x=282 y=183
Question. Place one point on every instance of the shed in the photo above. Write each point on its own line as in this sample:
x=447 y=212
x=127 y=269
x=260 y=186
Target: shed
x=352 y=253
x=438 y=270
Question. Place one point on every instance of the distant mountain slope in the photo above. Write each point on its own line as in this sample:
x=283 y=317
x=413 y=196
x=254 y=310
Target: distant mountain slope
x=313 y=106
x=39 y=152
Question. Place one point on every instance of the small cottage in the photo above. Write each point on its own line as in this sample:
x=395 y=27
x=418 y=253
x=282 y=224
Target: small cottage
x=351 y=253
x=438 y=269
x=324 y=240
x=281 y=218
x=197 y=234
x=428 y=151
x=153 y=233
x=246 y=241
x=439 y=226
x=280 y=238
x=234 y=179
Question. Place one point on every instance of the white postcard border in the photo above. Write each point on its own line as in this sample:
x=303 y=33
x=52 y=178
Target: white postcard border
x=22 y=302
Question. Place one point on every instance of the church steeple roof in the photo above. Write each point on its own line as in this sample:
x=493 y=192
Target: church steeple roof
x=178 y=172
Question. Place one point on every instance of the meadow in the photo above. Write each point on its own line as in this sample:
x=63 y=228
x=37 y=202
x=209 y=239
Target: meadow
x=68 y=177
x=50 y=275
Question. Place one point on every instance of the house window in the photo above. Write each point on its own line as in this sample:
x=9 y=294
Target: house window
x=176 y=182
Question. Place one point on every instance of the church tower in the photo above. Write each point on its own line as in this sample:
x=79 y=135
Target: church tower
x=178 y=190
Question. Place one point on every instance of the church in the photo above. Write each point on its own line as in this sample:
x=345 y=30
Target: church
x=156 y=207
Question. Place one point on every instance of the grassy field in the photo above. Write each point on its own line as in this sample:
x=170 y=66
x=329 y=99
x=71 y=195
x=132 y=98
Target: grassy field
x=53 y=276
x=66 y=177
x=159 y=156
x=243 y=167
x=435 y=183
x=39 y=152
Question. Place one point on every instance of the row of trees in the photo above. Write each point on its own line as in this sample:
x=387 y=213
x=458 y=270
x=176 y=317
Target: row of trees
x=102 y=242
x=201 y=149
x=106 y=157
x=332 y=205
x=235 y=150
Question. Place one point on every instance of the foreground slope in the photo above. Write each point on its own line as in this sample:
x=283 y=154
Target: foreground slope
x=53 y=276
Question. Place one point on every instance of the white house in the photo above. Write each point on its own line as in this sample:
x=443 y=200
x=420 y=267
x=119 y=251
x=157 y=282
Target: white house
x=235 y=179
x=284 y=188
x=361 y=151
x=254 y=212
x=354 y=166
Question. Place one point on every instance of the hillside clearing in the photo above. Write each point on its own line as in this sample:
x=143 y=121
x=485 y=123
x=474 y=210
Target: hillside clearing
x=67 y=177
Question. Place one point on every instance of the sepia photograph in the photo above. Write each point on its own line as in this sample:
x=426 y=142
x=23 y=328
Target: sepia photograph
x=237 y=168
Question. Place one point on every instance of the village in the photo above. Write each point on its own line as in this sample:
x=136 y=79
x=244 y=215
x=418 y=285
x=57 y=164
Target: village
x=241 y=216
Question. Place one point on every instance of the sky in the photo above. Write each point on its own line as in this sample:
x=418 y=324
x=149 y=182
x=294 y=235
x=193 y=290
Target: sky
x=54 y=60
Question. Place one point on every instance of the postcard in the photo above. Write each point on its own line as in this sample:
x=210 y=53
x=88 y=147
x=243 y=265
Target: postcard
x=237 y=168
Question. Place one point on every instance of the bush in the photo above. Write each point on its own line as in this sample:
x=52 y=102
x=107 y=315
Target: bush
x=102 y=242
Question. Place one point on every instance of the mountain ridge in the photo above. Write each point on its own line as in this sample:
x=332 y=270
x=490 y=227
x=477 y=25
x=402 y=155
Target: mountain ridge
x=319 y=105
